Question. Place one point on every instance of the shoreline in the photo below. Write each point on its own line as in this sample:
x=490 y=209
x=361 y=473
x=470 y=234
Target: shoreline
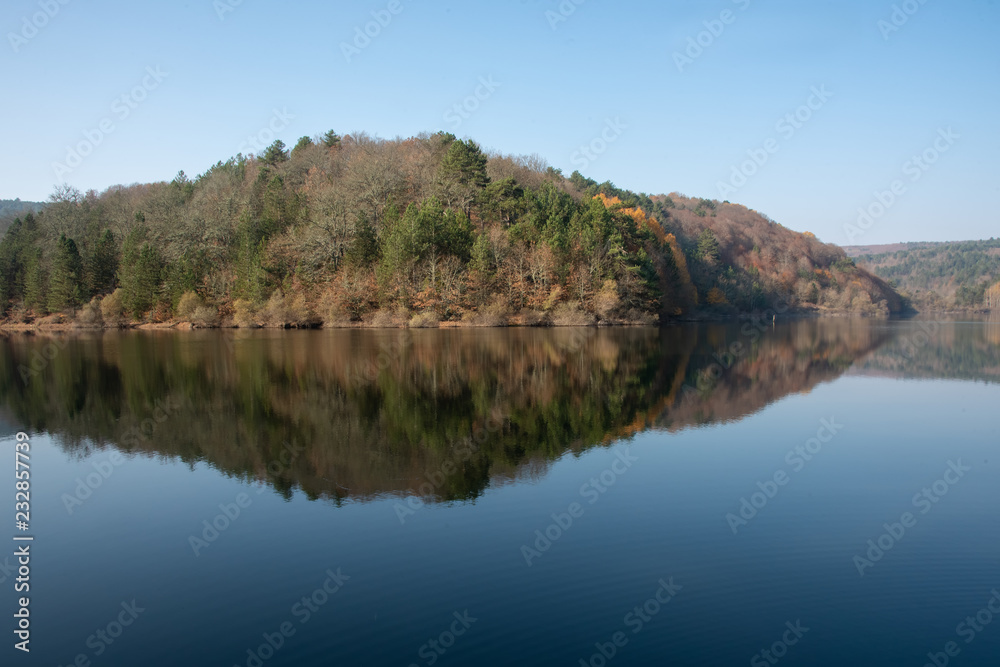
x=64 y=324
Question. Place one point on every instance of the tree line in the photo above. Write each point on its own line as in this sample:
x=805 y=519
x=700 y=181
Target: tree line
x=340 y=230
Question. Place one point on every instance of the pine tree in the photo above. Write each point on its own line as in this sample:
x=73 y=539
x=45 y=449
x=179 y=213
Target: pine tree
x=331 y=139
x=140 y=274
x=275 y=154
x=102 y=268
x=65 y=289
x=708 y=247
x=35 y=282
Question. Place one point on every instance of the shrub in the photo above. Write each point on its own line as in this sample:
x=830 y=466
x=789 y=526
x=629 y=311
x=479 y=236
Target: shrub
x=90 y=315
x=281 y=310
x=607 y=300
x=641 y=317
x=425 y=320
x=189 y=303
x=244 y=314
x=533 y=318
x=113 y=309
x=332 y=311
x=388 y=319
x=570 y=314
x=205 y=316
x=493 y=315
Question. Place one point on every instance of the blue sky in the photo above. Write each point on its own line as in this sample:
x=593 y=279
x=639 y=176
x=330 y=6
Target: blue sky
x=559 y=78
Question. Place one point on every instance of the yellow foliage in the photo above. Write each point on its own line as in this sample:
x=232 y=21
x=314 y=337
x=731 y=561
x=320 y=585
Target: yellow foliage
x=652 y=224
x=717 y=297
x=993 y=297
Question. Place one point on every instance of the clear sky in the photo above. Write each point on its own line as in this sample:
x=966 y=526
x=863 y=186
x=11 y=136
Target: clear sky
x=559 y=80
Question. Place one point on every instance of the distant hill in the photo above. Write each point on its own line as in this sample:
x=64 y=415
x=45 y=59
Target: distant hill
x=11 y=208
x=935 y=276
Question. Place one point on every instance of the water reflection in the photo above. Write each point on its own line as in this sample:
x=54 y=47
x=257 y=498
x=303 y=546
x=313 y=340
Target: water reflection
x=360 y=414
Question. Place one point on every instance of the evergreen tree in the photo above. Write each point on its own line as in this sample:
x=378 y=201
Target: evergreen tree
x=331 y=139
x=102 y=268
x=708 y=247
x=462 y=175
x=465 y=163
x=35 y=282
x=275 y=154
x=303 y=143
x=65 y=289
x=139 y=273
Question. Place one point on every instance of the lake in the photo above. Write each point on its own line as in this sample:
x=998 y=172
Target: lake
x=819 y=492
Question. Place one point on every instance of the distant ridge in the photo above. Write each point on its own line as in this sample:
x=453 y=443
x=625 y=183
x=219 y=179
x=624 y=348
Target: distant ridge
x=935 y=275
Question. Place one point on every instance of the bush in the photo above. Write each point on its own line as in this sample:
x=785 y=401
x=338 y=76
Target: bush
x=90 y=315
x=205 y=317
x=113 y=309
x=20 y=314
x=282 y=310
x=607 y=300
x=189 y=303
x=389 y=319
x=244 y=314
x=333 y=313
x=493 y=315
x=641 y=317
x=533 y=318
x=570 y=314
x=425 y=320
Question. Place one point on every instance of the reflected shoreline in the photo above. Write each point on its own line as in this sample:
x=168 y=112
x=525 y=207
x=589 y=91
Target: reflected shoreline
x=376 y=413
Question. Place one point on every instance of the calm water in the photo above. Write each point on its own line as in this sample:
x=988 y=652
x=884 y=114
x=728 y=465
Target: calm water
x=700 y=494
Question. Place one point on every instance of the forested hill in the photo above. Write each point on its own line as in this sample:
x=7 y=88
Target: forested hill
x=420 y=230
x=11 y=208
x=936 y=276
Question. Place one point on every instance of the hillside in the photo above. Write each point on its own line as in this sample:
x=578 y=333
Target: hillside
x=936 y=276
x=11 y=208
x=341 y=231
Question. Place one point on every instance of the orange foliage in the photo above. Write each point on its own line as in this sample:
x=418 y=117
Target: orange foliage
x=653 y=225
